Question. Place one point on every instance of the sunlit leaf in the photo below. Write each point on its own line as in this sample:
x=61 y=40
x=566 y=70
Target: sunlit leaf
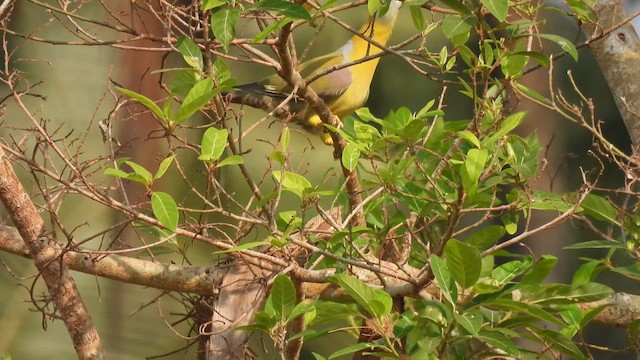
x=498 y=8
x=148 y=103
x=350 y=156
x=292 y=181
x=165 y=210
x=231 y=160
x=164 y=166
x=282 y=7
x=196 y=99
x=140 y=171
x=190 y=52
x=213 y=144
x=223 y=25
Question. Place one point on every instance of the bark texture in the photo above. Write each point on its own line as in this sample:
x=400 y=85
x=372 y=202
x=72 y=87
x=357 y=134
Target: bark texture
x=48 y=257
x=618 y=55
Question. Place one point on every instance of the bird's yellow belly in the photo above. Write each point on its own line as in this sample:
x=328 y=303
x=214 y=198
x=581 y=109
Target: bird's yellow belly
x=351 y=100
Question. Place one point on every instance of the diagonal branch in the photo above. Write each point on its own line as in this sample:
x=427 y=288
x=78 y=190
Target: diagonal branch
x=48 y=258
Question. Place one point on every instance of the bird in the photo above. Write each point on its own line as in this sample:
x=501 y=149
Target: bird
x=343 y=90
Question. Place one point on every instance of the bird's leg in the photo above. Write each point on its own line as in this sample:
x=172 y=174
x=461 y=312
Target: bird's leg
x=315 y=122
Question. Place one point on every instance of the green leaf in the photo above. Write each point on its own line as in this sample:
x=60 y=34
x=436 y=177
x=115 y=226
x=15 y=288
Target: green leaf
x=506 y=126
x=632 y=271
x=210 y=4
x=303 y=308
x=116 y=172
x=351 y=349
x=445 y=280
x=560 y=342
x=292 y=181
x=288 y=9
x=587 y=272
x=594 y=244
x=590 y=314
x=376 y=303
x=510 y=222
x=464 y=261
x=274 y=26
x=182 y=82
x=540 y=271
x=330 y=311
x=223 y=75
x=456 y=25
x=473 y=167
x=542 y=200
x=418 y=17
x=499 y=8
x=231 y=160
x=532 y=94
x=140 y=171
x=277 y=156
x=164 y=166
x=350 y=156
x=564 y=44
x=524 y=308
x=283 y=297
x=471 y=322
x=245 y=246
x=318 y=356
x=373 y=6
x=285 y=138
x=190 y=52
x=223 y=25
x=266 y=319
x=486 y=237
x=474 y=163
x=468 y=135
x=196 y=99
x=508 y=271
x=513 y=64
x=600 y=208
x=561 y=294
x=305 y=333
x=165 y=210
x=213 y=144
x=148 y=103
x=498 y=341
x=457 y=6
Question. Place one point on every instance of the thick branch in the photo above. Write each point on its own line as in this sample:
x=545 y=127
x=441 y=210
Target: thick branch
x=618 y=54
x=241 y=295
x=190 y=279
x=47 y=256
x=622 y=310
x=295 y=80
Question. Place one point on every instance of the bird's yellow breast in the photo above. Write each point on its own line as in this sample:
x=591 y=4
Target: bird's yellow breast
x=357 y=91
